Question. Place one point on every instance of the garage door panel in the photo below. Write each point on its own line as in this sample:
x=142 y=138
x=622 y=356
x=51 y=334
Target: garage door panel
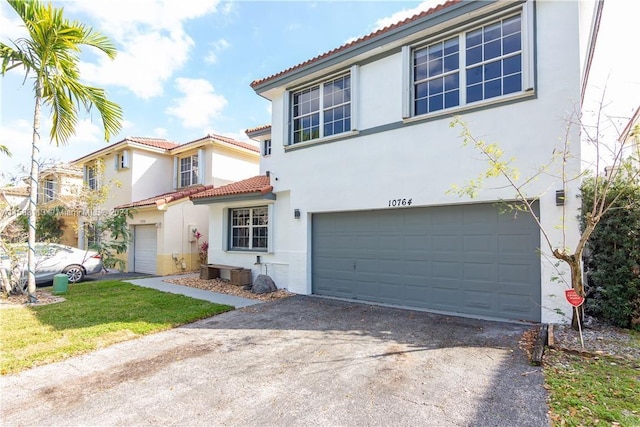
x=145 y=248
x=479 y=300
x=467 y=259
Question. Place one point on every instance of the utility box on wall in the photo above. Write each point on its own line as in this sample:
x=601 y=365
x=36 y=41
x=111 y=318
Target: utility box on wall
x=191 y=233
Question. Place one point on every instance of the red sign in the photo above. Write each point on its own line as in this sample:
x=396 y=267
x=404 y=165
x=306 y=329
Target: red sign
x=573 y=298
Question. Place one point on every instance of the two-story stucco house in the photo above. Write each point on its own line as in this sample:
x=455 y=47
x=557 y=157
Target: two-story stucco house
x=353 y=200
x=155 y=178
x=59 y=187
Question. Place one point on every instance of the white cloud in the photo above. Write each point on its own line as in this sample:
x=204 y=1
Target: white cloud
x=139 y=67
x=216 y=47
x=151 y=40
x=199 y=105
x=11 y=26
x=406 y=13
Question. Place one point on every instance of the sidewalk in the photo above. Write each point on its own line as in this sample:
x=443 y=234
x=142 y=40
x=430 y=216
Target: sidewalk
x=215 y=297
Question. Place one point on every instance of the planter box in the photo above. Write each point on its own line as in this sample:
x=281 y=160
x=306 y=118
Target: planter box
x=208 y=273
x=241 y=277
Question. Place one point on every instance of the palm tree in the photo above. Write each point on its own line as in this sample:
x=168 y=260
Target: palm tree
x=49 y=57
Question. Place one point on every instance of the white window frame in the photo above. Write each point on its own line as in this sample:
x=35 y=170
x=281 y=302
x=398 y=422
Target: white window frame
x=527 y=63
x=193 y=171
x=122 y=160
x=266 y=147
x=92 y=178
x=251 y=228
x=352 y=73
x=49 y=191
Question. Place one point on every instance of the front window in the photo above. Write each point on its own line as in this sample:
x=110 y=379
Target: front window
x=49 y=186
x=476 y=65
x=188 y=171
x=249 y=228
x=321 y=110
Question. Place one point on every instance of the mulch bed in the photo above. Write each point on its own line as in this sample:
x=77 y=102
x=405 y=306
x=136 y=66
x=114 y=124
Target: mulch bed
x=225 y=287
x=43 y=298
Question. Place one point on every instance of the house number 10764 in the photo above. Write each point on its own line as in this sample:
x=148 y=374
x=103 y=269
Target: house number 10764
x=394 y=203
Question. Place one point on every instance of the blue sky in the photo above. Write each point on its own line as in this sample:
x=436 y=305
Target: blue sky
x=184 y=66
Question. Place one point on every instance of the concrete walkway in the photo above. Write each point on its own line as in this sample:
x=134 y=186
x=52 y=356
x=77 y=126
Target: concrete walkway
x=215 y=297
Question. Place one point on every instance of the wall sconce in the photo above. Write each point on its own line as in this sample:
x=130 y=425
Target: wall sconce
x=559 y=197
x=296 y=213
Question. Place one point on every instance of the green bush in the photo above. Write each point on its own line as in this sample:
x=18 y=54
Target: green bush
x=613 y=261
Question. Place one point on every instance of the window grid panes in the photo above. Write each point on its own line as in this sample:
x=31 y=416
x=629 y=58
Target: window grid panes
x=249 y=228
x=494 y=60
x=490 y=58
x=436 y=76
x=49 y=190
x=322 y=110
x=188 y=171
x=266 y=147
x=92 y=179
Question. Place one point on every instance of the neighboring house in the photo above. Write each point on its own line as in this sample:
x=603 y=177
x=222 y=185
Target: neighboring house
x=12 y=197
x=630 y=136
x=155 y=177
x=353 y=201
x=59 y=187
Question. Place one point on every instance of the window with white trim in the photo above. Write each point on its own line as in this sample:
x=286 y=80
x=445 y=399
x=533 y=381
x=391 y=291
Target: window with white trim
x=92 y=177
x=321 y=110
x=266 y=147
x=49 y=190
x=249 y=228
x=188 y=170
x=482 y=63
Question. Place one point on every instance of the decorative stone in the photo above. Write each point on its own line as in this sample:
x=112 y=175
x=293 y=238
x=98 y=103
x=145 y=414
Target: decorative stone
x=247 y=287
x=263 y=284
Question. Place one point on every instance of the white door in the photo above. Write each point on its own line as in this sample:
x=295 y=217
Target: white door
x=145 y=248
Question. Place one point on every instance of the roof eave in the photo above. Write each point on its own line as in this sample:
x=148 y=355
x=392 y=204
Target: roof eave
x=234 y=198
x=388 y=40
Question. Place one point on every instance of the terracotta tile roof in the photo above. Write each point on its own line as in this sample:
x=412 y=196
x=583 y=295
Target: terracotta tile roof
x=358 y=41
x=224 y=139
x=165 y=198
x=258 y=184
x=257 y=129
x=20 y=190
x=163 y=144
x=152 y=142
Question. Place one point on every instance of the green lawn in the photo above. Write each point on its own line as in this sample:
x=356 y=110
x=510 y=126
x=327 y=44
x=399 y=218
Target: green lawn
x=588 y=391
x=95 y=315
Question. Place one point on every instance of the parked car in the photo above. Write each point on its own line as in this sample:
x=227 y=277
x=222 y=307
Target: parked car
x=52 y=259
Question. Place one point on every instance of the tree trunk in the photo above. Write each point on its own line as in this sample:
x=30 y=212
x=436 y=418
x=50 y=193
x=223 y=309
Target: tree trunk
x=33 y=198
x=577 y=285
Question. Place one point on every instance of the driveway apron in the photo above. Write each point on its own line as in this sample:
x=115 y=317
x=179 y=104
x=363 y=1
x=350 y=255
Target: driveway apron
x=297 y=361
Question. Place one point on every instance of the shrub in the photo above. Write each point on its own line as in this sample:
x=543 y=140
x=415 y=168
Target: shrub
x=613 y=261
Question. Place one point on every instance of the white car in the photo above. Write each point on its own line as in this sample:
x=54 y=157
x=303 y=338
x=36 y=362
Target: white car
x=52 y=259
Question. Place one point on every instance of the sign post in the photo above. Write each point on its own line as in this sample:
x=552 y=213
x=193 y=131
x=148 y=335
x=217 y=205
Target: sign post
x=576 y=301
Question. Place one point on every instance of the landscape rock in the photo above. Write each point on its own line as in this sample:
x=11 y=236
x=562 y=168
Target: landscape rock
x=263 y=284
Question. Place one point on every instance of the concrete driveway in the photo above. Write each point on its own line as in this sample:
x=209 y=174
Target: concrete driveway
x=298 y=361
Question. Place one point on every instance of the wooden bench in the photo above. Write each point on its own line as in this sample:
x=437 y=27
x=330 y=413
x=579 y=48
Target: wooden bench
x=239 y=276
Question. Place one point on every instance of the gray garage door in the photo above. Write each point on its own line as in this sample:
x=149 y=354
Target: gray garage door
x=466 y=259
x=145 y=249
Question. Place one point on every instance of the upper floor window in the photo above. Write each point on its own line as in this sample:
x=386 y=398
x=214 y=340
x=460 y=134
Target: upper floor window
x=49 y=190
x=321 y=110
x=122 y=160
x=249 y=228
x=188 y=171
x=480 y=64
x=92 y=178
x=266 y=147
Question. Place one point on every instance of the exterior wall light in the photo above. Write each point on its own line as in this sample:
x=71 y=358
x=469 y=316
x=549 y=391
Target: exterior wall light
x=560 y=197
x=296 y=213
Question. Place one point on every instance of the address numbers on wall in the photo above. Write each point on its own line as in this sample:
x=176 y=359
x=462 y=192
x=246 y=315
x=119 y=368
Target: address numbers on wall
x=397 y=203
